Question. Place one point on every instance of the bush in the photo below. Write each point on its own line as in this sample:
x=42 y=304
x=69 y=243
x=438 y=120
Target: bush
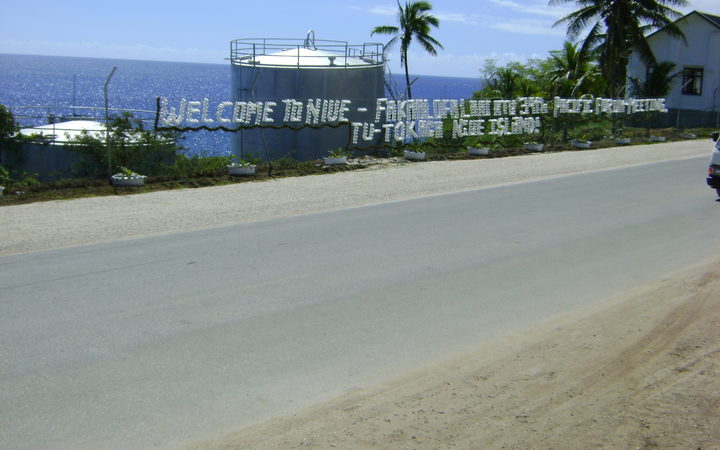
x=7 y=123
x=197 y=166
x=5 y=179
x=130 y=145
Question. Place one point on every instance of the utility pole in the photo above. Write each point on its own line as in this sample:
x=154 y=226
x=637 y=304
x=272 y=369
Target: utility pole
x=107 y=123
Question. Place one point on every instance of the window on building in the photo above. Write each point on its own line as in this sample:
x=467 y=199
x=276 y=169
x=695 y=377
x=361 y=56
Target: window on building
x=692 y=81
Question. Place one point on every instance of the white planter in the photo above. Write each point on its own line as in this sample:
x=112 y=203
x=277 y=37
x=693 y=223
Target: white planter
x=335 y=160
x=414 y=156
x=241 y=171
x=534 y=147
x=657 y=138
x=688 y=136
x=622 y=141
x=479 y=151
x=581 y=144
x=132 y=181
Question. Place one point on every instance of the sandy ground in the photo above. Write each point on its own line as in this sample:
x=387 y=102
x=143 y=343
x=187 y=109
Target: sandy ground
x=641 y=370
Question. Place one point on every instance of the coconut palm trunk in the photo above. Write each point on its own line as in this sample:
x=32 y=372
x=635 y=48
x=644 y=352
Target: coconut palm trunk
x=414 y=23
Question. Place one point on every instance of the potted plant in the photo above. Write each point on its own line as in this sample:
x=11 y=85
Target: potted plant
x=411 y=155
x=582 y=142
x=336 y=157
x=479 y=151
x=622 y=140
x=127 y=177
x=533 y=146
x=240 y=167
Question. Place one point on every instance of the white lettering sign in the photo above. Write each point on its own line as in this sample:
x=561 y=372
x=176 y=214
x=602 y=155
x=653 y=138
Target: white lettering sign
x=398 y=120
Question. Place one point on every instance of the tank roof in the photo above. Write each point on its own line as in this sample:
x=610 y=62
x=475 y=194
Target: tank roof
x=64 y=132
x=304 y=53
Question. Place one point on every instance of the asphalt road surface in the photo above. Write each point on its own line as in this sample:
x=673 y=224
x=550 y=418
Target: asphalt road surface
x=160 y=341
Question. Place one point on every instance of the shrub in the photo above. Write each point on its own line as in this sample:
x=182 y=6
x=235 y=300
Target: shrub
x=130 y=145
x=4 y=177
x=7 y=123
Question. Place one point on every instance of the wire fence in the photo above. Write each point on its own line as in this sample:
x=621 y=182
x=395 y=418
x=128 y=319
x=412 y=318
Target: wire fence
x=28 y=116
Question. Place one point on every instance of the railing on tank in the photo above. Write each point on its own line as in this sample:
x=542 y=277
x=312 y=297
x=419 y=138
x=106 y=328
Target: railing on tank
x=330 y=53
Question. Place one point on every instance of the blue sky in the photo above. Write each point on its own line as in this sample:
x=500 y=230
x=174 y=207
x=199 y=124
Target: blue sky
x=471 y=31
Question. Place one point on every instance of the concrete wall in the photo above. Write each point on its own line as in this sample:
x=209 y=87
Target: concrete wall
x=46 y=161
x=682 y=119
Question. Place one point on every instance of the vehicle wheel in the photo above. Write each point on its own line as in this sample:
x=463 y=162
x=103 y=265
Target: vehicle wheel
x=718 y=191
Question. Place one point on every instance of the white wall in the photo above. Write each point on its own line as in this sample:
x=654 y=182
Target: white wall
x=702 y=50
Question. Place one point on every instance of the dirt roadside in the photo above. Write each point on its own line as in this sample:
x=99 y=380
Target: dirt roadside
x=640 y=370
x=57 y=224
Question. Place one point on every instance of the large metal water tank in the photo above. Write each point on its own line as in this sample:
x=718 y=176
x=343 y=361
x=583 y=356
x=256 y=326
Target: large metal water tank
x=273 y=70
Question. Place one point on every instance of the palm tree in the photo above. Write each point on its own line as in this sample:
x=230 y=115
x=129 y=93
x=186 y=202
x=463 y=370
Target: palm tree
x=617 y=27
x=658 y=83
x=573 y=71
x=415 y=22
x=513 y=80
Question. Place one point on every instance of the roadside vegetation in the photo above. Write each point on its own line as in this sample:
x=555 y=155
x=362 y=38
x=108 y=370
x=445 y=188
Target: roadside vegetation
x=168 y=167
x=591 y=64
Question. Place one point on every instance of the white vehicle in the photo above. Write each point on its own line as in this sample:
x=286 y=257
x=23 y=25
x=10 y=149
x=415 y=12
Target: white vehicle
x=713 y=179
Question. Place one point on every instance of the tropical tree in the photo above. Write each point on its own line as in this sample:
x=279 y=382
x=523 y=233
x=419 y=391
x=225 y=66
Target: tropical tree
x=514 y=79
x=130 y=145
x=7 y=123
x=504 y=83
x=415 y=23
x=658 y=82
x=574 y=72
x=616 y=28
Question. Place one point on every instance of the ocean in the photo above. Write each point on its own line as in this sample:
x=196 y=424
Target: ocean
x=41 y=82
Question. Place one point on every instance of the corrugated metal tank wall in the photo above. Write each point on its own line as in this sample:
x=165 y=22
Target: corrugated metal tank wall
x=257 y=83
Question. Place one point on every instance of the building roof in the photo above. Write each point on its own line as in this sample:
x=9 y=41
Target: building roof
x=714 y=20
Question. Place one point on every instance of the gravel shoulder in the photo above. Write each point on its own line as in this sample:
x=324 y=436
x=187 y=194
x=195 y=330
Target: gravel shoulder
x=56 y=224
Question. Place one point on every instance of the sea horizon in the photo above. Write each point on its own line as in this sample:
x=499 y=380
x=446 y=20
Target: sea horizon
x=34 y=87
x=225 y=63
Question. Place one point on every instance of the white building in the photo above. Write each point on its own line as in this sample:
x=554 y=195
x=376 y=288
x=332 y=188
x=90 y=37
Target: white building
x=695 y=96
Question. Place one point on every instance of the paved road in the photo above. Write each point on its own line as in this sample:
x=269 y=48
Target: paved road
x=160 y=341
